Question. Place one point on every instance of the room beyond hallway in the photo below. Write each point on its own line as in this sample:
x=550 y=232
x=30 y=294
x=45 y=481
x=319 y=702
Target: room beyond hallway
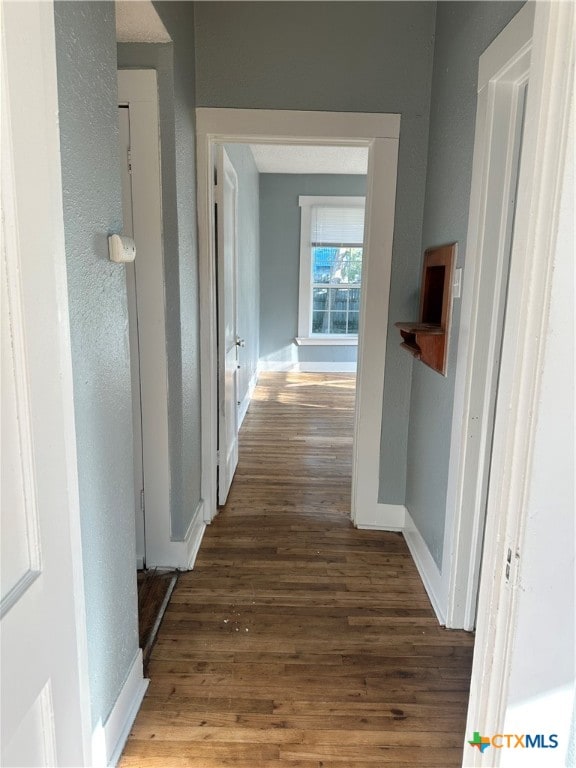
x=298 y=640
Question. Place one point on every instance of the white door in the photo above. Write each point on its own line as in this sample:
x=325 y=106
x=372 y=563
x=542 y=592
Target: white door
x=127 y=208
x=44 y=684
x=228 y=341
x=502 y=87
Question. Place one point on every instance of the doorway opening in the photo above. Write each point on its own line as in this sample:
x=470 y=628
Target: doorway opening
x=289 y=243
x=378 y=134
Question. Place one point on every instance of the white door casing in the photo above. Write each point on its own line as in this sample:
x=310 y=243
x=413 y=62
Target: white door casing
x=138 y=89
x=503 y=76
x=380 y=133
x=542 y=168
x=125 y=171
x=226 y=199
x=45 y=709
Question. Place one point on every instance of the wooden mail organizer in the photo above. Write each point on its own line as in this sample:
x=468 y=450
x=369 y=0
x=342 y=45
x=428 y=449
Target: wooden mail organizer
x=427 y=338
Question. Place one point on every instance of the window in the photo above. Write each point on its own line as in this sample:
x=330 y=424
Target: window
x=331 y=241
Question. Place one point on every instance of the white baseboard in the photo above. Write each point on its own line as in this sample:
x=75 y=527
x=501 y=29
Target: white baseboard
x=381 y=517
x=265 y=366
x=108 y=740
x=395 y=517
x=182 y=554
x=327 y=367
x=427 y=568
x=243 y=407
x=307 y=367
x=194 y=536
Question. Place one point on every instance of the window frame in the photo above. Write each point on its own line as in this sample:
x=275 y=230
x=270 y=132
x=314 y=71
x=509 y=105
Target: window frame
x=306 y=284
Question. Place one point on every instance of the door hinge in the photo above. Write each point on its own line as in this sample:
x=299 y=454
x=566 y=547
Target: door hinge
x=217 y=458
x=129 y=161
x=142 y=500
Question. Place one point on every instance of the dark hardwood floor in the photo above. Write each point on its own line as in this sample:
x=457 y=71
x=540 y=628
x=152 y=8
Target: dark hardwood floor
x=154 y=590
x=298 y=641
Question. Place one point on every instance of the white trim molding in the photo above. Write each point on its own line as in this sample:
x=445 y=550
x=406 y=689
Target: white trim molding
x=396 y=517
x=193 y=538
x=286 y=126
x=376 y=272
x=503 y=74
x=380 y=133
x=307 y=367
x=245 y=403
x=326 y=341
x=548 y=114
x=138 y=88
x=383 y=517
x=108 y=740
x=427 y=568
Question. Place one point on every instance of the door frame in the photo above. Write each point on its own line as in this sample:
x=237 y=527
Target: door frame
x=34 y=228
x=138 y=89
x=503 y=68
x=380 y=133
x=548 y=112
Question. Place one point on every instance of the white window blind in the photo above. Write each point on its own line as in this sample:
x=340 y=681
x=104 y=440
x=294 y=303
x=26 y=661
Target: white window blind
x=334 y=225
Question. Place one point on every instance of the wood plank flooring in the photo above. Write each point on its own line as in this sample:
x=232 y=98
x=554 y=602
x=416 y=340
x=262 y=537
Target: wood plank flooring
x=298 y=641
x=154 y=590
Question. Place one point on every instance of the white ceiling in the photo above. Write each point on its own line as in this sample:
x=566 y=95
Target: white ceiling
x=277 y=158
x=137 y=21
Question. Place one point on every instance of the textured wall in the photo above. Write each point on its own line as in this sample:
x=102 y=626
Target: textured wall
x=363 y=57
x=280 y=263
x=248 y=296
x=86 y=59
x=463 y=32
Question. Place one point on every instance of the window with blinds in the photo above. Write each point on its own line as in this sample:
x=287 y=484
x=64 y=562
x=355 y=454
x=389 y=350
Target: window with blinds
x=337 y=225
x=334 y=266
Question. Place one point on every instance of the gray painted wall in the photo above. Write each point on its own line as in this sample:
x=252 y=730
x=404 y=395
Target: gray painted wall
x=463 y=32
x=280 y=263
x=248 y=296
x=86 y=60
x=182 y=319
x=302 y=56
x=174 y=63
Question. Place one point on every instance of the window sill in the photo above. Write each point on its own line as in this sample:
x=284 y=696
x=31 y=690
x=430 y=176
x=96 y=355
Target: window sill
x=327 y=341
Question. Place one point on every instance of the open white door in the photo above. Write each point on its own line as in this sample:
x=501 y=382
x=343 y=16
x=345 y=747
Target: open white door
x=44 y=690
x=228 y=342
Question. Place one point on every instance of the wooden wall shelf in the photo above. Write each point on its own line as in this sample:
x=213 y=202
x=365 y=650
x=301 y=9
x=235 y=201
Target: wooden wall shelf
x=427 y=338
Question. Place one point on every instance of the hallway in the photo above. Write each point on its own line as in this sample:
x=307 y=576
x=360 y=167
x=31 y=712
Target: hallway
x=298 y=641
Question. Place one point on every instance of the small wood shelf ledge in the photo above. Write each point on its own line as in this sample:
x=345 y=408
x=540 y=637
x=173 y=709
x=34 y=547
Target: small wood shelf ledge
x=424 y=341
x=428 y=328
x=427 y=339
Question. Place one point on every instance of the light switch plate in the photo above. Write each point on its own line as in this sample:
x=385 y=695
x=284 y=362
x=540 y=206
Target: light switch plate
x=457 y=284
